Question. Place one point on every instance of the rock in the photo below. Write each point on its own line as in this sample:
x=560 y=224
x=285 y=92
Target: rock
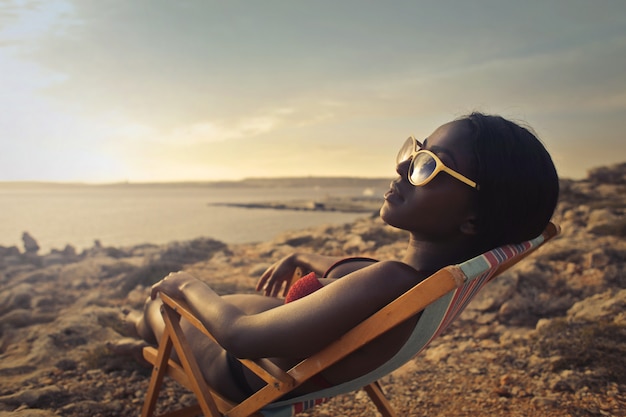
x=517 y=311
x=355 y=244
x=19 y=296
x=438 y=354
x=69 y=251
x=542 y=324
x=298 y=240
x=614 y=174
x=195 y=250
x=9 y=251
x=597 y=258
x=610 y=305
x=496 y=293
x=22 y=318
x=258 y=270
x=138 y=296
x=601 y=219
x=88 y=408
x=66 y=364
x=566 y=381
x=31 y=397
x=545 y=401
x=28 y=413
x=55 y=259
x=30 y=244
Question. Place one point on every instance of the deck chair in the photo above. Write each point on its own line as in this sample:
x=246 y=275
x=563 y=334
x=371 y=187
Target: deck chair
x=442 y=297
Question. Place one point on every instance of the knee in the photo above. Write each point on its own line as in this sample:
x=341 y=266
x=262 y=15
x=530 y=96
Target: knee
x=151 y=306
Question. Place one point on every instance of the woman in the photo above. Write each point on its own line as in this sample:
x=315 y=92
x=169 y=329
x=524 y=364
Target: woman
x=474 y=184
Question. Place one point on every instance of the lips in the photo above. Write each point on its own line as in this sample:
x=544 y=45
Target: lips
x=393 y=195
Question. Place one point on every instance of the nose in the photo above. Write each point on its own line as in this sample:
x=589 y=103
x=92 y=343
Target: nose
x=403 y=168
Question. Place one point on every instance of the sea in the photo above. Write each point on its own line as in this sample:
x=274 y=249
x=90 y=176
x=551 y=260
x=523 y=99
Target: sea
x=125 y=215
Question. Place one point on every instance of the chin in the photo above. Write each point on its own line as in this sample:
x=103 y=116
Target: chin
x=386 y=215
x=382 y=213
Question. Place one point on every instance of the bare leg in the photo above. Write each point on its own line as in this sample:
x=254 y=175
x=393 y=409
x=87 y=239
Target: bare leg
x=130 y=319
x=150 y=324
x=210 y=356
x=129 y=346
x=139 y=332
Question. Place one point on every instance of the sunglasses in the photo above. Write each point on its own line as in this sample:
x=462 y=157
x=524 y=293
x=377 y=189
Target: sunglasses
x=425 y=165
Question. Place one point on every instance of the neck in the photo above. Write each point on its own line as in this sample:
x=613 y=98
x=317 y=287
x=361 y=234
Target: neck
x=428 y=256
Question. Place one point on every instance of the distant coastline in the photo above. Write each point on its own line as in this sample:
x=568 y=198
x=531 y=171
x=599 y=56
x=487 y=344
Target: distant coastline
x=338 y=204
x=282 y=182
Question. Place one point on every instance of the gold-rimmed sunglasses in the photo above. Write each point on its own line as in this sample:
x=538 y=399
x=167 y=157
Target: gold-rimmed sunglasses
x=425 y=165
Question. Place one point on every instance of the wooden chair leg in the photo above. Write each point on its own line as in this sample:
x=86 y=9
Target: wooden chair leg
x=375 y=392
x=158 y=372
x=189 y=363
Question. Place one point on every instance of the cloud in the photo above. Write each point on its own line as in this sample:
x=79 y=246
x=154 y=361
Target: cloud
x=203 y=132
x=200 y=82
x=577 y=78
x=22 y=21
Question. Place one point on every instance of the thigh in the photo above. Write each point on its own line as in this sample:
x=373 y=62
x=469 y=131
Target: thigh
x=210 y=356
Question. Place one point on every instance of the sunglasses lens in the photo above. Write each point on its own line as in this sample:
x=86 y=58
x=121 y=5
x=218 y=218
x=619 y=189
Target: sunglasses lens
x=422 y=167
x=405 y=151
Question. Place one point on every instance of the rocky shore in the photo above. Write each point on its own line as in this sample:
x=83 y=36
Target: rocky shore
x=340 y=204
x=547 y=338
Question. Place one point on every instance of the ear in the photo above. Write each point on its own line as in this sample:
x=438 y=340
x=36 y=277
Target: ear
x=469 y=227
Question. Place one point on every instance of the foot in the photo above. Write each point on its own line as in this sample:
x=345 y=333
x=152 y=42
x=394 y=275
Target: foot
x=129 y=346
x=130 y=320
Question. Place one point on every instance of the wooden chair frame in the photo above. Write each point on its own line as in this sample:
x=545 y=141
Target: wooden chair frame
x=280 y=382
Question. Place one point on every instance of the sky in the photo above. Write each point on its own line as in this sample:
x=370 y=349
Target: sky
x=104 y=91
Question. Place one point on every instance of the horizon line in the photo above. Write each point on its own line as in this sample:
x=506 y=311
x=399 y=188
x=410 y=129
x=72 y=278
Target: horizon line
x=191 y=182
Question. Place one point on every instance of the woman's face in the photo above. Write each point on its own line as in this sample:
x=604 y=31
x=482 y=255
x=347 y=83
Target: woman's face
x=440 y=209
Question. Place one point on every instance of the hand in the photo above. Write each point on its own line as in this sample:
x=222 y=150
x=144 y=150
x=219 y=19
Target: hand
x=173 y=285
x=280 y=275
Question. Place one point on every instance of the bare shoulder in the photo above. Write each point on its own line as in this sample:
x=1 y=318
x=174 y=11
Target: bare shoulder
x=397 y=270
x=383 y=280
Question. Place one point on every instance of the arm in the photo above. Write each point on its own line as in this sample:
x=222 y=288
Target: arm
x=296 y=329
x=289 y=269
x=285 y=272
